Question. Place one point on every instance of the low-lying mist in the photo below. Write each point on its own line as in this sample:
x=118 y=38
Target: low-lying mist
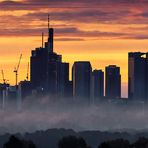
x=41 y=114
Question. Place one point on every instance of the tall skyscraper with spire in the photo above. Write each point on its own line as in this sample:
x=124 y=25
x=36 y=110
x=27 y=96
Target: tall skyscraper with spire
x=50 y=44
x=47 y=67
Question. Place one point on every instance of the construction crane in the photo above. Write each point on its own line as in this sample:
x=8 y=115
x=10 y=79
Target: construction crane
x=16 y=70
x=4 y=80
x=27 y=76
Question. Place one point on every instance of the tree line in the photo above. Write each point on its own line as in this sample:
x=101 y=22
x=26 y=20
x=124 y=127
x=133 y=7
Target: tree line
x=78 y=142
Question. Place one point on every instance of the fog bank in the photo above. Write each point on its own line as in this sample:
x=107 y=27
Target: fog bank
x=42 y=114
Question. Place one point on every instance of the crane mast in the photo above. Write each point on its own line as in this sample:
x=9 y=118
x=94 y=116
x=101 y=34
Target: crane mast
x=16 y=71
x=4 y=80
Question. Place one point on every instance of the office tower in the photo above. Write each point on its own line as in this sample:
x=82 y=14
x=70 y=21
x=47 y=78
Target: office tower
x=43 y=60
x=50 y=40
x=3 y=88
x=137 y=75
x=48 y=73
x=97 y=85
x=113 y=82
x=81 y=76
x=24 y=89
x=38 y=67
x=63 y=80
x=53 y=72
x=70 y=89
x=10 y=97
x=146 y=78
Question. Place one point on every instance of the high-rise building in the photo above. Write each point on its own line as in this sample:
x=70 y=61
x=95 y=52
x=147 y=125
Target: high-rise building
x=81 y=76
x=113 y=82
x=97 y=85
x=11 y=96
x=137 y=75
x=69 y=92
x=3 y=88
x=47 y=70
x=38 y=71
x=63 y=80
x=25 y=89
x=53 y=72
x=51 y=40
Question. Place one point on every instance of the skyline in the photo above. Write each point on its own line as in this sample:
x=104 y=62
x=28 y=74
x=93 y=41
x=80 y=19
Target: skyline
x=105 y=34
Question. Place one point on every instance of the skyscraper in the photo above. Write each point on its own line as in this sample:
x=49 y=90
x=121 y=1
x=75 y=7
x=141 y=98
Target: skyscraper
x=47 y=70
x=137 y=75
x=113 y=82
x=63 y=80
x=53 y=72
x=97 y=85
x=81 y=76
x=3 y=88
x=38 y=67
x=25 y=89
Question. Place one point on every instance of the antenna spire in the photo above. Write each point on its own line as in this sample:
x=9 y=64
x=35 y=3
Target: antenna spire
x=48 y=21
x=50 y=36
x=42 y=39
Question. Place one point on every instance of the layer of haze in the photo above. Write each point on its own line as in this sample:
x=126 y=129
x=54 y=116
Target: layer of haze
x=45 y=115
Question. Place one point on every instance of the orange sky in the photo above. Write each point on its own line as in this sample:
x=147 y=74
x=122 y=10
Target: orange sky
x=102 y=32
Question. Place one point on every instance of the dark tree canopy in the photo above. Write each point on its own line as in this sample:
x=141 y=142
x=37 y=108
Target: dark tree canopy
x=141 y=143
x=121 y=143
x=118 y=143
x=15 y=142
x=72 y=142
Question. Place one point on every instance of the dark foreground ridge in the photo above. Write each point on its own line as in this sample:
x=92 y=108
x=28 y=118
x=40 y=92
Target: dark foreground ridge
x=51 y=138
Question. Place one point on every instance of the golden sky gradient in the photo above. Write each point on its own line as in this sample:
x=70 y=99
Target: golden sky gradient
x=102 y=32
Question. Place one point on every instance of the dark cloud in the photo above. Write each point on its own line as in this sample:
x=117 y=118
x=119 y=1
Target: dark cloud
x=38 y=4
x=71 y=12
x=69 y=39
x=67 y=32
x=84 y=15
x=13 y=5
x=90 y=1
x=72 y=34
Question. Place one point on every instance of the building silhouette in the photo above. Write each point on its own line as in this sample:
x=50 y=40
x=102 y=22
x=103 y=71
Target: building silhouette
x=70 y=89
x=3 y=88
x=10 y=97
x=63 y=80
x=53 y=73
x=112 y=82
x=38 y=68
x=138 y=75
x=81 y=77
x=24 y=89
x=97 y=85
x=48 y=74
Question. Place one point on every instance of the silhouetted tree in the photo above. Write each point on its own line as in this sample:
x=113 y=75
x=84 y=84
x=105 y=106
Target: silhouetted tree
x=118 y=143
x=72 y=142
x=141 y=143
x=104 y=145
x=14 y=142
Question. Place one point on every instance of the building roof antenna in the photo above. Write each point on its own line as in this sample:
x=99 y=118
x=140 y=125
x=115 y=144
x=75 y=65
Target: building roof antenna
x=42 y=39
x=48 y=21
